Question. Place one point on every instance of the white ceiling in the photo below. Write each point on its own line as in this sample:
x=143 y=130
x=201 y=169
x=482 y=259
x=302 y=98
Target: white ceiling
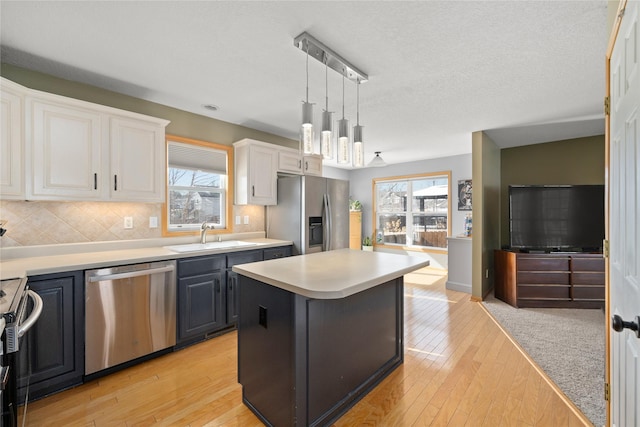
x=524 y=71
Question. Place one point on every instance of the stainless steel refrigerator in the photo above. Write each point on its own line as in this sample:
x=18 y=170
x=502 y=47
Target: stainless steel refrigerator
x=312 y=212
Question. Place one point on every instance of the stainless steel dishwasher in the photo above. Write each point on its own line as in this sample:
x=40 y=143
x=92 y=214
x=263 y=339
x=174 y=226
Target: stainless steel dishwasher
x=130 y=311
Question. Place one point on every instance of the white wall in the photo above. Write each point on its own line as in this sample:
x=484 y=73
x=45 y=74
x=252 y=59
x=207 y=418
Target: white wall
x=361 y=189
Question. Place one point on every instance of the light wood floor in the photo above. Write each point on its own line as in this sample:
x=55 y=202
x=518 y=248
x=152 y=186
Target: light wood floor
x=459 y=369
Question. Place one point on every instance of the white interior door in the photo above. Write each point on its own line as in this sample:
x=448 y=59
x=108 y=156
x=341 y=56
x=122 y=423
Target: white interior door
x=624 y=216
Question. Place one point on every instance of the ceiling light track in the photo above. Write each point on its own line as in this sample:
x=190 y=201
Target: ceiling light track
x=318 y=50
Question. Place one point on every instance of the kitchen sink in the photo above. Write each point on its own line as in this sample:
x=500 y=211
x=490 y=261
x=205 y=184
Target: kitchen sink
x=193 y=247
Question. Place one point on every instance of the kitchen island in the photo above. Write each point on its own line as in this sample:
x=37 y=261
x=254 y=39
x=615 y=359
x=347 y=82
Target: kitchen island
x=319 y=331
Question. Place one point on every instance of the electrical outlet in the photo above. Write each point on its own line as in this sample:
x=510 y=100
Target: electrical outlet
x=246 y=219
x=238 y=220
x=128 y=222
x=153 y=222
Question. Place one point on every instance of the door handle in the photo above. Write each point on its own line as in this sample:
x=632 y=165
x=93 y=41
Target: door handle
x=618 y=324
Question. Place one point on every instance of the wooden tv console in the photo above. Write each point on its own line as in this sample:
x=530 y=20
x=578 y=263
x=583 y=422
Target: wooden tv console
x=558 y=280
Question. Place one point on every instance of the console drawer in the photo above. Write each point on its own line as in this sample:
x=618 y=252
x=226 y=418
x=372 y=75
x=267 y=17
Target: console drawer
x=544 y=292
x=587 y=264
x=588 y=293
x=532 y=278
x=526 y=263
x=587 y=278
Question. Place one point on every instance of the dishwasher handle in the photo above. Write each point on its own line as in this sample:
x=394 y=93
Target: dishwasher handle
x=128 y=274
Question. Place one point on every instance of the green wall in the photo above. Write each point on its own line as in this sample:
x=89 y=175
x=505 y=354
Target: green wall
x=572 y=161
x=182 y=123
x=486 y=212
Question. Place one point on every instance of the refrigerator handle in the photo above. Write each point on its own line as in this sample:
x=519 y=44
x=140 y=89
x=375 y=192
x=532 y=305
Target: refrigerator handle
x=327 y=218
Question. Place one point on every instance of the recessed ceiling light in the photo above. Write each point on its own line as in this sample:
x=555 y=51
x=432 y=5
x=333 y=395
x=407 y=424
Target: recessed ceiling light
x=211 y=107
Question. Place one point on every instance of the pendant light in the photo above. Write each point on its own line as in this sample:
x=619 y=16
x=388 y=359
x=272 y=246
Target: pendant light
x=377 y=161
x=326 y=143
x=358 y=147
x=343 y=152
x=306 y=132
x=343 y=133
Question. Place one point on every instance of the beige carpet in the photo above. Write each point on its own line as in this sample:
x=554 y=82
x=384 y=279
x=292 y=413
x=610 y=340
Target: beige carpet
x=568 y=344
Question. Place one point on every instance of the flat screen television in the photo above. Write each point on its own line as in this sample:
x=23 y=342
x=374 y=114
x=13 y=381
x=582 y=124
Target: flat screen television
x=552 y=218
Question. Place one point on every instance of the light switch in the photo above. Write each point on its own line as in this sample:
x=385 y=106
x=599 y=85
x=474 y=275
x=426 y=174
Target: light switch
x=246 y=219
x=153 y=222
x=238 y=220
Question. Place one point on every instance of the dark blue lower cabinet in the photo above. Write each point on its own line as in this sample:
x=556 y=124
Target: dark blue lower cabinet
x=52 y=351
x=200 y=301
x=201 y=295
x=208 y=292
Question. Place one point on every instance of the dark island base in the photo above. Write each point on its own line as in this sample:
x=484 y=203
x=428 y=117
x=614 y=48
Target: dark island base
x=305 y=361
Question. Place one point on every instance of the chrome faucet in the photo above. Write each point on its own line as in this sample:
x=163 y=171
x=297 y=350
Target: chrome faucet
x=203 y=231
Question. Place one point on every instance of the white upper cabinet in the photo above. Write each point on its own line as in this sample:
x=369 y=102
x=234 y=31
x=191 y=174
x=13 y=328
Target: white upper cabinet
x=66 y=152
x=11 y=141
x=289 y=161
x=77 y=150
x=312 y=164
x=137 y=160
x=256 y=165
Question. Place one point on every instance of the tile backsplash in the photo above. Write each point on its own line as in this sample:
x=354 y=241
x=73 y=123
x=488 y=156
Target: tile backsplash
x=44 y=223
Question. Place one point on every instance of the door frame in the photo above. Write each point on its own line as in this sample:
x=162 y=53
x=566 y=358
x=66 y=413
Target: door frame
x=607 y=182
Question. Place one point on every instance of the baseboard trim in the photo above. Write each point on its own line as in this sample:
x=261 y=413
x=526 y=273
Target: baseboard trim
x=460 y=287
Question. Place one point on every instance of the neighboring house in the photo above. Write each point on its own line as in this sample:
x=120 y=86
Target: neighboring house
x=196 y=207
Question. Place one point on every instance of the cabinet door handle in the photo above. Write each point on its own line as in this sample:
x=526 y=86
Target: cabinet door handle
x=115 y=182
x=300 y=164
x=253 y=190
x=306 y=166
x=95 y=181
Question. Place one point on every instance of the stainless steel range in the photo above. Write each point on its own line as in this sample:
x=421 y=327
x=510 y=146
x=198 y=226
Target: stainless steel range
x=18 y=316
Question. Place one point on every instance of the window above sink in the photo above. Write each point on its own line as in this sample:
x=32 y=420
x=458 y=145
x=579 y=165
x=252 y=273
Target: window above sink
x=199 y=184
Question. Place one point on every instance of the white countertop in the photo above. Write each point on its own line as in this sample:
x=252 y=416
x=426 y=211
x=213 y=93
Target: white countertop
x=90 y=259
x=332 y=274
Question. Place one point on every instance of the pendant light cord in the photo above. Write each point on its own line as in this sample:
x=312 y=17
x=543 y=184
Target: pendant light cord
x=307 y=69
x=326 y=83
x=343 y=71
x=358 y=102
